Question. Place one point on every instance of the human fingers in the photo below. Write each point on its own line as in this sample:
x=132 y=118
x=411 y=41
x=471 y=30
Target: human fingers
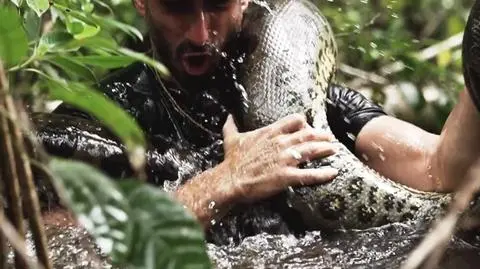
x=272 y=183
x=288 y=124
x=305 y=135
x=293 y=176
x=296 y=155
x=229 y=128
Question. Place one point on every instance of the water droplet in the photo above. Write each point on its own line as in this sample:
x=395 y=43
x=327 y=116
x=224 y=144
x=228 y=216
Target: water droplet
x=211 y=205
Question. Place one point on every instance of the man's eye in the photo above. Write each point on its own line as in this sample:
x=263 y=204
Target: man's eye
x=216 y=5
x=177 y=7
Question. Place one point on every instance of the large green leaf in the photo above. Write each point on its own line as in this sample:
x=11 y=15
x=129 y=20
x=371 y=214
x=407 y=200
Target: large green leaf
x=107 y=61
x=79 y=15
x=109 y=113
x=31 y=24
x=59 y=41
x=54 y=41
x=162 y=69
x=63 y=41
x=39 y=6
x=166 y=235
x=109 y=23
x=80 y=29
x=97 y=202
x=13 y=39
x=136 y=224
x=97 y=21
x=73 y=68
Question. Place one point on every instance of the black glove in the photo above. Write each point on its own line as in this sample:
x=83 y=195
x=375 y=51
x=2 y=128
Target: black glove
x=347 y=112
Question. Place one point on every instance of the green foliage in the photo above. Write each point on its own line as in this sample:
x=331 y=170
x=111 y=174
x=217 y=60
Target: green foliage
x=13 y=40
x=64 y=45
x=39 y=6
x=372 y=34
x=136 y=224
x=58 y=50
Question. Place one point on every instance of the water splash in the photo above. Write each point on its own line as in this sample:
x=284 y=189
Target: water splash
x=383 y=247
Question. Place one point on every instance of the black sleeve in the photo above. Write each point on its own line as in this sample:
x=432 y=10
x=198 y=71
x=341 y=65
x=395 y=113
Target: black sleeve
x=347 y=112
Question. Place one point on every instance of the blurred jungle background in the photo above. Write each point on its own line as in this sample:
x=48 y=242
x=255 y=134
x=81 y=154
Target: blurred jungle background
x=404 y=54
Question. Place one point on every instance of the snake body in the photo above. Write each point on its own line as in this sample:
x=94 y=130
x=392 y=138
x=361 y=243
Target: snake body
x=290 y=71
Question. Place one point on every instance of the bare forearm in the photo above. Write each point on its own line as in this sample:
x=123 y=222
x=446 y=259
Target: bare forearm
x=421 y=160
x=207 y=195
x=398 y=150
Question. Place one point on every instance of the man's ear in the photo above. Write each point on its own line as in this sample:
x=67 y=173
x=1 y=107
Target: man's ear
x=140 y=6
x=243 y=4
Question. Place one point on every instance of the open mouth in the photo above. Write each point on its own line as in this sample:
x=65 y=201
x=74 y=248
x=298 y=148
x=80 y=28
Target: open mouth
x=196 y=63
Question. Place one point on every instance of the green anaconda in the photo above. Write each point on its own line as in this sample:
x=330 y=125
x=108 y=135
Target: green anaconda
x=289 y=72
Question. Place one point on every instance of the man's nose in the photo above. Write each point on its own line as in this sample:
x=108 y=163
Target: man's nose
x=199 y=29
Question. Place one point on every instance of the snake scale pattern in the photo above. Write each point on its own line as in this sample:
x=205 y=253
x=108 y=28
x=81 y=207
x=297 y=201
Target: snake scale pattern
x=297 y=63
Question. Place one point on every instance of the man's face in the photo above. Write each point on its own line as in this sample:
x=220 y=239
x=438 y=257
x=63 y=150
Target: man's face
x=190 y=34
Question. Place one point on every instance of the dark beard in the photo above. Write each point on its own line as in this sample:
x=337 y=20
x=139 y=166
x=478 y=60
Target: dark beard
x=222 y=57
